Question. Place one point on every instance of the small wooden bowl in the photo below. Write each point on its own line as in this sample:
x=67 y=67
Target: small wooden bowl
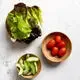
x=39 y=67
x=47 y=53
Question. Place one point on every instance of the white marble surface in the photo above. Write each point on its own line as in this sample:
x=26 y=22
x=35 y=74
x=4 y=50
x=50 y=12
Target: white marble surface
x=58 y=15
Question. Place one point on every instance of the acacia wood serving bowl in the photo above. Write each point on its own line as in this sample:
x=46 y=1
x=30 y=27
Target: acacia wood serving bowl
x=47 y=53
x=39 y=67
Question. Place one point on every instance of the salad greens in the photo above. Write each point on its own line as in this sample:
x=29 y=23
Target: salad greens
x=24 y=22
x=28 y=66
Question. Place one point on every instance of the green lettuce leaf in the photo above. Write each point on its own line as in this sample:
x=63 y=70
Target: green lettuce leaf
x=22 y=22
x=20 y=29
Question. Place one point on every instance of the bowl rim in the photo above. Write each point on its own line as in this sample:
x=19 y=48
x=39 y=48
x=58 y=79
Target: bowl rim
x=39 y=70
x=61 y=60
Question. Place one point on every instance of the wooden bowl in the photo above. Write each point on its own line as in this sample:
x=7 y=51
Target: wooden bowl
x=39 y=67
x=47 y=53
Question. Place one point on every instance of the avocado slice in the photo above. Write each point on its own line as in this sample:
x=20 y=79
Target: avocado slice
x=32 y=67
x=36 y=66
x=32 y=59
x=21 y=63
x=20 y=69
x=26 y=70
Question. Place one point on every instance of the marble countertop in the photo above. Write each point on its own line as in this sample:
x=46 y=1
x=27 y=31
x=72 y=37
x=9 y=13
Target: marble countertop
x=58 y=15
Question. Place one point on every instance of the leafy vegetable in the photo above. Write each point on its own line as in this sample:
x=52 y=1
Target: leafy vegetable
x=38 y=13
x=23 y=22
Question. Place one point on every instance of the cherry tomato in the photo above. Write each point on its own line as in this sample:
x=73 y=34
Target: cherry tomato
x=61 y=44
x=54 y=51
x=58 y=39
x=51 y=44
x=62 y=52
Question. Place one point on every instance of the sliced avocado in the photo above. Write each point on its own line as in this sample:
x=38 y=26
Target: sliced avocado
x=20 y=69
x=36 y=66
x=27 y=56
x=29 y=73
x=26 y=70
x=33 y=68
x=38 y=13
x=21 y=63
x=32 y=59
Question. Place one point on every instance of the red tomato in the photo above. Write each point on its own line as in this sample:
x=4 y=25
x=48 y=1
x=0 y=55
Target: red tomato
x=61 y=44
x=62 y=52
x=54 y=51
x=51 y=44
x=58 y=39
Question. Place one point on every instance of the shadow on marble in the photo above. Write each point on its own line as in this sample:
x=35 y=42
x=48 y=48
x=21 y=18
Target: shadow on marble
x=21 y=78
x=49 y=64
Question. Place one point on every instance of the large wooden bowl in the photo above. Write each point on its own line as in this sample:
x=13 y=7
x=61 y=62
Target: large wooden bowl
x=39 y=67
x=47 y=53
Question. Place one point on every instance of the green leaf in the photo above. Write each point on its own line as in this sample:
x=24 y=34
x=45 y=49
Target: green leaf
x=34 y=16
x=20 y=29
x=22 y=25
x=22 y=20
x=38 y=12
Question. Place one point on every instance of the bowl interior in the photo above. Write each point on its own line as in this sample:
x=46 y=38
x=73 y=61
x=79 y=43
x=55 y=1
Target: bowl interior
x=39 y=66
x=47 y=53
